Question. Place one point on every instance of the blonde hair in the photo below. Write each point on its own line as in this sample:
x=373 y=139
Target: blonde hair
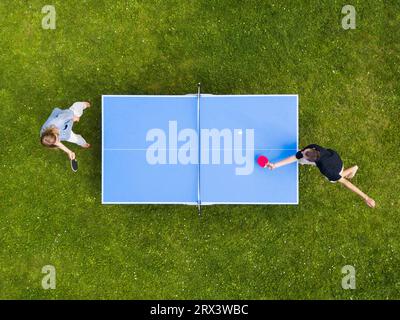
x=49 y=137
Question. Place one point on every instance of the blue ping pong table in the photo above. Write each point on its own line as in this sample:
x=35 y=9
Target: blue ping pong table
x=198 y=149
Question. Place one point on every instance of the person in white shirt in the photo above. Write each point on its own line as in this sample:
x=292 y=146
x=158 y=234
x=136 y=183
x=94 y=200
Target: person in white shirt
x=58 y=128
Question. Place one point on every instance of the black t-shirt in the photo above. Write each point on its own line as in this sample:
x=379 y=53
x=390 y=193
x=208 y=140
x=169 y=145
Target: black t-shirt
x=329 y=162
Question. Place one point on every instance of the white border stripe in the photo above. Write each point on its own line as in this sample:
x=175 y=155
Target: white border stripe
x=252 y=95
x=250 y=203
x=199 y=149
x=102 y=149
x=221 y=149
x=139 y=202
x=192 y=95
x=149 y=96
x=203 y=203
x=297 y=147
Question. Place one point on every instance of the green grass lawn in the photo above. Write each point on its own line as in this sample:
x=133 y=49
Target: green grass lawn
x=349 y=88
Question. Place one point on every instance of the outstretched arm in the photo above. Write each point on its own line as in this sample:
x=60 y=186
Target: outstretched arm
x=281 y=163
x=369 y=201
x=70 y=154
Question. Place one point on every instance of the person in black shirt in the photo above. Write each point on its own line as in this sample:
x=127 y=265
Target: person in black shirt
x=329 y=164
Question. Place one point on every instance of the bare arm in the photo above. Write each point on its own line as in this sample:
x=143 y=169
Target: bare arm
x=282 y=163
x=369 y=201
x=70 y=154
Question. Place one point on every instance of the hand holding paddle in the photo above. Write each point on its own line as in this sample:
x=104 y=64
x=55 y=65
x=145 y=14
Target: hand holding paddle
x=263 y=162
x=271 y=166
x=74 y=162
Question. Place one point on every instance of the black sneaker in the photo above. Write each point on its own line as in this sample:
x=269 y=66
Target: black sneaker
x=74 y=165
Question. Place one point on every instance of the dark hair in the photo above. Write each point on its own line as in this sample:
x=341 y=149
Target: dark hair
x=312 y=155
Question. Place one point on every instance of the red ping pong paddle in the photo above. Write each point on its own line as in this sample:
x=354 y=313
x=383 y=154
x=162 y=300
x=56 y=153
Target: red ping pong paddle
x=262 y=161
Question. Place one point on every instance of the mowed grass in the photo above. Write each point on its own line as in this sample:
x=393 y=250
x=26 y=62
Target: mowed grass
x=348 y=83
